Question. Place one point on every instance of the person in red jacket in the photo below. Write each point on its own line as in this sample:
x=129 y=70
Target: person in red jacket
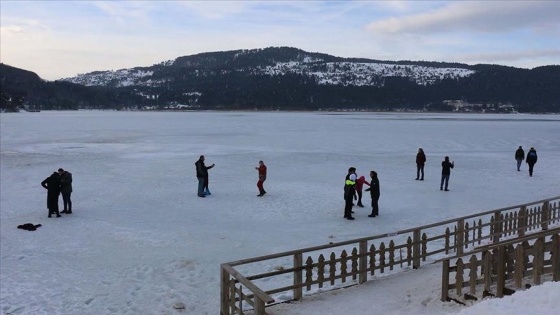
x=420 y=161
x=262 y=177
x=359 y=185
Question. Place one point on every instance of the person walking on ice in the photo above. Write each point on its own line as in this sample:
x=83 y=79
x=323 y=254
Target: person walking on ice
x=262 y=177
x=446 y=167
x=531 y=160
x=519 y=157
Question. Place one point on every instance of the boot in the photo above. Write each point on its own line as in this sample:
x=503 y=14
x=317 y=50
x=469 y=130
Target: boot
x=207 y=192
x=261 y=193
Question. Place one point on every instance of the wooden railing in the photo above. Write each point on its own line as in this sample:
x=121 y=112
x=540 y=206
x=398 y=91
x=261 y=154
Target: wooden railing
x=486 y=271
x=286 y=275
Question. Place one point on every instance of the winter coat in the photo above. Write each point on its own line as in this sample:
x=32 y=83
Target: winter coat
x=349 y=189
x=420 y=158
x=201 y=169
x=446 y=167
x=519 y=154
x=262 y=172
x=360 y=183
x=374 y=189
x=66 y=182
x=531 y=157
x=52 y=183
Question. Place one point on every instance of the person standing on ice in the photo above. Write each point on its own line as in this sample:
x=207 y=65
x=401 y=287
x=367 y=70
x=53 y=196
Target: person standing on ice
x=52 y=185
x=262 y=177
x=446 y=167
x=349 y=192
x=375 y=193
x=359 y=186
x=66 y=190
x=202 y=175
x=420 y=161
x=531 y=160
x=519 y=157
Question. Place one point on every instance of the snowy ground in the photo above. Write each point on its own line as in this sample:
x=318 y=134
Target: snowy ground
x=140 y=240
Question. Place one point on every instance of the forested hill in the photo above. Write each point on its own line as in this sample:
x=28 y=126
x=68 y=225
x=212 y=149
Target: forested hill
x=284 y=78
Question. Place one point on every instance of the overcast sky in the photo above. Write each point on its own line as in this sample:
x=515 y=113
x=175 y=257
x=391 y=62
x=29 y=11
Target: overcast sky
x=58 y=39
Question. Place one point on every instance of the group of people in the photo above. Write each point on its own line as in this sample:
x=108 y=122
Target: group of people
x=531 y=158
x=353 y=185
x=58 y=183
x=353 y=191
x=202 y=176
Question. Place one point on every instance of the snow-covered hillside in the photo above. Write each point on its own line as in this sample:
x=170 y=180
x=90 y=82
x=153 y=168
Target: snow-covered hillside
x=320 y=70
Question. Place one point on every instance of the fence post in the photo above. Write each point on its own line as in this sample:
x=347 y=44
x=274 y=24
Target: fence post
x=522 y=221
x=259 y=306
x=501 y=282
x=363 y=262
x=298 y=276
x=556 y=257
x=224 y=292
x=544 y=216
x=445 y=281
x=416 y=249
x=460 y=236
x=497 y=226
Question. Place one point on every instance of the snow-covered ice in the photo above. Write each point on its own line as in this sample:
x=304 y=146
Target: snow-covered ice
x=140 y=240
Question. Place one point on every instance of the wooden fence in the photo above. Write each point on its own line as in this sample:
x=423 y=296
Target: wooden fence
x=487 y=270
x=286 y=275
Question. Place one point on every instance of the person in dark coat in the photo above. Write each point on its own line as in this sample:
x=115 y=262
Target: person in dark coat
x=446 y=167
x=66 y=190
x=349 y=192
x=519 y=157
x=420 y=161
x=375 y=192
x=52 y=185
x=262 y=177
x=202 y=175
x=531 y=160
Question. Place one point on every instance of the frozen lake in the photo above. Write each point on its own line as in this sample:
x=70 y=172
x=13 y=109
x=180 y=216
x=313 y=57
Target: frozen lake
x=140 y=240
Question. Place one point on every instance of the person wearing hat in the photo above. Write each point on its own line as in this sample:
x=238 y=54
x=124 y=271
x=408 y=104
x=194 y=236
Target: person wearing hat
x=349 y=192
x=519 y=157
x=531 y=160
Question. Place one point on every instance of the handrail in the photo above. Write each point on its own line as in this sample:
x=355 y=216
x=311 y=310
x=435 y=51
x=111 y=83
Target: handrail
x=256 y=290
x=369 y=238
x=455 y=235
x=502 y=243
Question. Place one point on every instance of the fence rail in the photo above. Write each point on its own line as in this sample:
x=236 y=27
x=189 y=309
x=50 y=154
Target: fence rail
x=285 y=275
x=493 y=265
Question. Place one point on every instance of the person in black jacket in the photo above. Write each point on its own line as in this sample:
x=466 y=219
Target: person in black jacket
x=420 y=161
x=446 y=167
x=66 y=190
x=202 y=175
x=52 y=185
x=531 y=160
x=375 y=193
x=519 y=157
x=349 y=192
